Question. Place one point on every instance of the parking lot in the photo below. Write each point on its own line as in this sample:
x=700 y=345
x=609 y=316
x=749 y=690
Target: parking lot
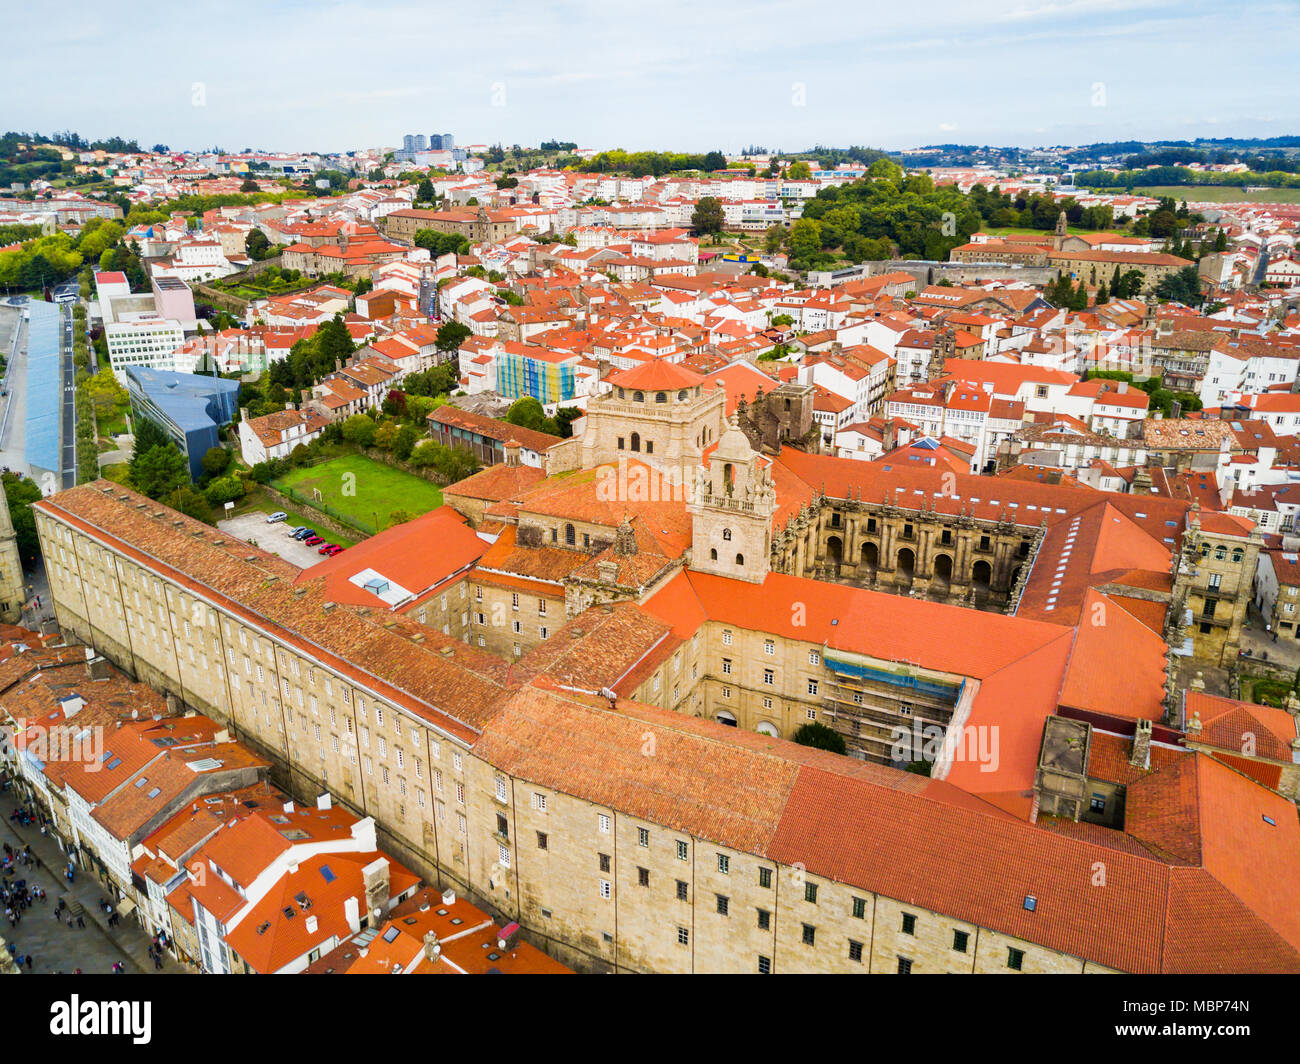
x=275 y=538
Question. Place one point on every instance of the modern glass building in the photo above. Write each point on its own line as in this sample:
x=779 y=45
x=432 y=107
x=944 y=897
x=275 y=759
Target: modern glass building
x=189 y=406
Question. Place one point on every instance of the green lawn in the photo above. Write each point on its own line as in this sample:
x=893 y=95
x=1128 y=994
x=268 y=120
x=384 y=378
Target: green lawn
x=1220 y=194
x=362 y=492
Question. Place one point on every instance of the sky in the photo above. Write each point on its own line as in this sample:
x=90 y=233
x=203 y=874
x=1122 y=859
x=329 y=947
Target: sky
x=689 y=75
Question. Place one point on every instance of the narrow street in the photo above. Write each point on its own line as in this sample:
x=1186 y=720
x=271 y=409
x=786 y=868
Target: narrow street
x=54 y=946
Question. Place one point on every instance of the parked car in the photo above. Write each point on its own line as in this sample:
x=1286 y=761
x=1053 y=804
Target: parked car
x=334 y=549
x=325 y=549
x=303 y=533
x=313 y=540
x=279 y=515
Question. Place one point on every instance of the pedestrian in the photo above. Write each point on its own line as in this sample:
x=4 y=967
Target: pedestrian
x=81 y=921
x=157 y=961
x=29 y=962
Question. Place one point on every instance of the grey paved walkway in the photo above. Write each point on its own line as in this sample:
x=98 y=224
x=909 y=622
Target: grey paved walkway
x=55 y=946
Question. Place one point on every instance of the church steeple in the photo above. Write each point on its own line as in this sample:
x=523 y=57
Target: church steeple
x=732 y=511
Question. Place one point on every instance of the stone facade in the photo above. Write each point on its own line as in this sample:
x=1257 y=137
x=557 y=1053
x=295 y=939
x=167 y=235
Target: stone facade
x=441 y=810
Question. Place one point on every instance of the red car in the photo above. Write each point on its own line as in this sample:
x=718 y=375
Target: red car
x=313 y=541
x=335 y=549
x=327 y=549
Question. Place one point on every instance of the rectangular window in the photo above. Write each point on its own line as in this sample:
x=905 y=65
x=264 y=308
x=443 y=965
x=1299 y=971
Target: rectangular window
x=724 y=905
x=501 y=789
x=764 y=920
x=769 y=677
x=724 y=863
x=1015 y=959
x=809 y=935
x=764 y=965
x=602 y=823
x=959 y=940
x=765 y=878
x=643 y=836
x=683 y=937
x=539 y=802
x=643 y=877
x=814 y=657
x=726 y=666
x=604 y=888
x=855 y=951
x=812 y=687
x=541 y=840
x=909 y=924
x=681 y=890
x=859 y=908
x=810 y=893
x=604 y=861
x=681 y=850
x=904 y=966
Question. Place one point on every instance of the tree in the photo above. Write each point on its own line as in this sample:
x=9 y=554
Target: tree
x=1182 y=287
x=424 y=191
x=528 y=413
x=820 y=737
x=256 y=244
x=774 y=237
x=798 y=171
x=248 y=185
x=159 y=471
x=404 y=442
x=223 y=490
x=215 y=461
x=708 y=216
x=360 y=430
x=451 y=335
x=191 y=503
x=21 y=492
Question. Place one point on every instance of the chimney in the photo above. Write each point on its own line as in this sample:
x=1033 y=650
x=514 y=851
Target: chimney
x=364 y=832
x=512 y=452
x=312 y=924
x=449 y=897
x=1121 y=387
x=375 y=877
x=1141 y=755
x=288 y=807
x=352 y=913
x=508 y=936
x=608 y=571
x=323 y=802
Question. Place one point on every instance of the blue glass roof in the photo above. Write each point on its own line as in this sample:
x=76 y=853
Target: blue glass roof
x=44 y=386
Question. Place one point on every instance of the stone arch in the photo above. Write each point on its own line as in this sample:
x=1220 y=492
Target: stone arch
x=981 y=575
x=943 y=569
x=835 y=550
x=869 y=558
x=767 y=728
x=729 y=719
x=905 y=564
x=636 y=441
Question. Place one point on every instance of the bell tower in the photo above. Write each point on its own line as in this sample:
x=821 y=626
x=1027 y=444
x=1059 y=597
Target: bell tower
x=732 y=510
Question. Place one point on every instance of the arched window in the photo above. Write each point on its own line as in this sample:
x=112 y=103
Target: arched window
x=726 y=535
x=1220 y=552
x=661 y=397
x=638 y=397
x=764 y=728
x=713 y=554
x=727 y=477
x=740 y=559
x=569 y=535
x=681 y=396
x=1237 y=554
x=636 y=441
x=622 y=394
